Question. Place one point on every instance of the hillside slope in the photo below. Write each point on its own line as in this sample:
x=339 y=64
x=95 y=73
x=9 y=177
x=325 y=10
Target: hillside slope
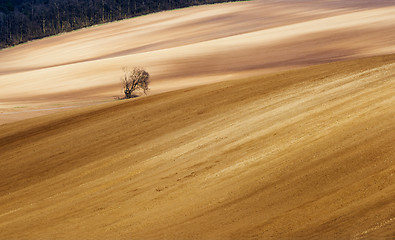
x=304 y=153
x=190 y=47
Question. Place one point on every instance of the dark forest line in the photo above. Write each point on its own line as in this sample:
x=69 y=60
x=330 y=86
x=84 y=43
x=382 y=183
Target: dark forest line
x=25 y=20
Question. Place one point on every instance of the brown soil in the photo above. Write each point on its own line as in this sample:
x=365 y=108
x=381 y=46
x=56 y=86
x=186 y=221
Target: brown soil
x=306 y=153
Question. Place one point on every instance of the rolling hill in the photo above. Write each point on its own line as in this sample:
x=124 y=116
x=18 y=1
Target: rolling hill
x=189 y=47
x=304 y=153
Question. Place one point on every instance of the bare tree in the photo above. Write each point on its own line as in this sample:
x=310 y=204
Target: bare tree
x=134 y=79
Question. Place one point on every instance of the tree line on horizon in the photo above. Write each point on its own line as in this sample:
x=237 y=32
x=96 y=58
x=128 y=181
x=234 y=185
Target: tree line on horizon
x=24 y=20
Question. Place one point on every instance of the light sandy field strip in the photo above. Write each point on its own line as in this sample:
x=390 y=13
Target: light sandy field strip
x=303 y=154
x=189 y=47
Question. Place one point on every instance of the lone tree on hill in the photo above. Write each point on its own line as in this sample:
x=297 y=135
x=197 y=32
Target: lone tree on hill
x=134 y=79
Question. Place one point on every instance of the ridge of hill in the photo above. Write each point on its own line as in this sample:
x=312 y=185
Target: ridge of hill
x=24 y=20
x=302 y=153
